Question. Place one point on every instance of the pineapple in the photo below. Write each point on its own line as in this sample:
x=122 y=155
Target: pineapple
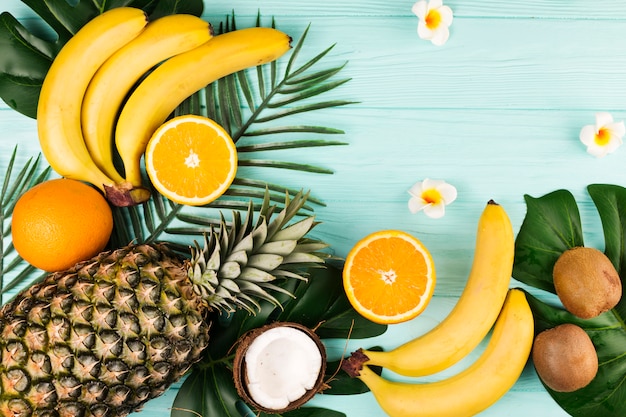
x=107 y=335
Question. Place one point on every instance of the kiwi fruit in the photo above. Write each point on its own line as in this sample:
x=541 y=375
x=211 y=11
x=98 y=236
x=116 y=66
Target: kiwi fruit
x=586 y=282
x=565 y=358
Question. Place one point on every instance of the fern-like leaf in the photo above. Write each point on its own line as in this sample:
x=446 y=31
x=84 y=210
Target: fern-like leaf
x=14 y=272
x=244 y=104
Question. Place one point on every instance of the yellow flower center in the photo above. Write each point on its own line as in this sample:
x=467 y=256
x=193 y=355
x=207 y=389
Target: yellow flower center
x=432 y=196
x=433 y=19
x=602 y=137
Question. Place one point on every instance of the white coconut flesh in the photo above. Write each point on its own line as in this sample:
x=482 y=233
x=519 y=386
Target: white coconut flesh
x=281 y=365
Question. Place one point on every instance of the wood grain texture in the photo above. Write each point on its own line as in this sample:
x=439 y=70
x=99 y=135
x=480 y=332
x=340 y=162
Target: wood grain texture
x=554 y=9
x=495 y=112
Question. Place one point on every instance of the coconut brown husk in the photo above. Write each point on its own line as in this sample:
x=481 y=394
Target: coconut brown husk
x=240 y=377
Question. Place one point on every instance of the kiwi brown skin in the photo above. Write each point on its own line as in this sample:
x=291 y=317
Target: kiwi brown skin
x=586 y=282
x=565 y=358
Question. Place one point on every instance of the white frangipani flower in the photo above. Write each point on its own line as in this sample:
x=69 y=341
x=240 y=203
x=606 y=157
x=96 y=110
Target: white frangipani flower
x=604 y=137
x=434 y=20
x=431 y=196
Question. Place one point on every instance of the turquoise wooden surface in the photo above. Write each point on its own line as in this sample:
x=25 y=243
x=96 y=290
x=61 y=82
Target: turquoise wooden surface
x=496 y=112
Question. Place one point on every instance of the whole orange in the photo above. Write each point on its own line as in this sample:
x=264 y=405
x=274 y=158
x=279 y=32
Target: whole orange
x=60 y=222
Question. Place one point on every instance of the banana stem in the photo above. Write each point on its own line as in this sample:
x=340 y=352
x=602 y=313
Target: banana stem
x=354 y=364
x=126 y=195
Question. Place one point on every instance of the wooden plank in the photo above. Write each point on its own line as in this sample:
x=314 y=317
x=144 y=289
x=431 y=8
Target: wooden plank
x=495 y=112
x=554 y=9
x=485 y=154
x=490 y=64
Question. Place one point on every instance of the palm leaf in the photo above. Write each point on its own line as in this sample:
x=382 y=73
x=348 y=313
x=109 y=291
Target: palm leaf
x=245 y=103
x=283 y=164
x=160 y=219
x=285 y=145
x=14 y=272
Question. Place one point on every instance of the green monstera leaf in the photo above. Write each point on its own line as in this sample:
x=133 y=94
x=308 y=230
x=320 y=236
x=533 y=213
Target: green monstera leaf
x=319 y=303
x=26 y=58
x=551 y=226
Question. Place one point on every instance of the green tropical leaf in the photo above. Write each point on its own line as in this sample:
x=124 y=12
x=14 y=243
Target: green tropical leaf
x=604 y=395
x=26 y=58
x=309 y=412
x=303 y=109
x=209 y=392
x=551 y=226
x=256 y=106
x=320 y=303
x=610 y=201
x=245 y=411
x=160 y=219
x=244 y=108
x=160 y=8
x=23 y=65
x=283 y=164
x=13 y=271
x=252 y=187
x=274 y=146
x=295 y=129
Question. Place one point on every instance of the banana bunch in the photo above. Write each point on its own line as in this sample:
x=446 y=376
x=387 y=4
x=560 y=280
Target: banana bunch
x=486 y=303
x=475 y=388
x=120 y=77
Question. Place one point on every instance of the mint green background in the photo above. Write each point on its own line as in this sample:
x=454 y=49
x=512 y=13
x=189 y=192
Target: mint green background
x=496 y=112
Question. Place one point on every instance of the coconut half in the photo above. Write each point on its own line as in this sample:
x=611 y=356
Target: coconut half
x=279 y=367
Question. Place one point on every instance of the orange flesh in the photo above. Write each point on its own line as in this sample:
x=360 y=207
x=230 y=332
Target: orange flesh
x=389 y=277
x=193 y=161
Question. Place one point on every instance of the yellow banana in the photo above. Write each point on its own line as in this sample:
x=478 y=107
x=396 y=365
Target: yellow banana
x=477 y=387
x=63 y=89
x=156 y=97
x=161 y=39
x=473 y=315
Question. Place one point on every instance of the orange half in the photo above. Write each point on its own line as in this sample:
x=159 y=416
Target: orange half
x=191 y=160
x=389 y=277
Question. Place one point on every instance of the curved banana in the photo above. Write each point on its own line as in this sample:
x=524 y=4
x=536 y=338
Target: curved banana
x=477 y=387
x=473 y=315
x=63 y=89
x=161 y=39
x=156 y=97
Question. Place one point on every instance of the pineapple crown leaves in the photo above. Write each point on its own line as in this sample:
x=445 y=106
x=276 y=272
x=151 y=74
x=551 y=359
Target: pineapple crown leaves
x=257 y=105
x=241 y=263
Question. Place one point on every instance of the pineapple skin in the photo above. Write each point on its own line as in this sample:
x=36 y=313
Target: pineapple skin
x=101 y=338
